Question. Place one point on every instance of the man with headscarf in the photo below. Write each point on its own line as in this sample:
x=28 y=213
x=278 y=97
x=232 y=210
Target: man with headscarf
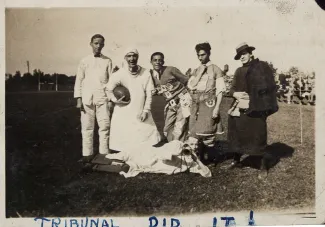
x=171 y=83
x=93 y=74
x=132 y=122
x=206 y=86
x=254 y=92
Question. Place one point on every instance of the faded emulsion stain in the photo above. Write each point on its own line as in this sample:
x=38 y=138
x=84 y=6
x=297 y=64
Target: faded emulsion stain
x=152 y=9
x=282 y=6
x=209 y=18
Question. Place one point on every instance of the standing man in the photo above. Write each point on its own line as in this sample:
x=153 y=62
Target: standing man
x=254 y=91
x=171 y=83
x=206 y=86
x=89 y=90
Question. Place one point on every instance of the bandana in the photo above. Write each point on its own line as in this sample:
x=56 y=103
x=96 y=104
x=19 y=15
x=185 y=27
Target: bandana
x=131 y=50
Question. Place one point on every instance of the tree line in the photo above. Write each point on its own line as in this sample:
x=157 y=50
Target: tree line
x=45 y=81
x=31 y=81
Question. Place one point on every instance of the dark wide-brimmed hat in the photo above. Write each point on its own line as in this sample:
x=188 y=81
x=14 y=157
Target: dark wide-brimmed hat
x=241 y=47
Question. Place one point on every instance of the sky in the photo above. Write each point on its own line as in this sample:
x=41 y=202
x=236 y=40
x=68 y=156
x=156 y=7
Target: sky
x=56 y=39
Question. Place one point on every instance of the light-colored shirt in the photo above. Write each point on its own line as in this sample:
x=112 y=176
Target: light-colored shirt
x=92 y=76
x=203 y=81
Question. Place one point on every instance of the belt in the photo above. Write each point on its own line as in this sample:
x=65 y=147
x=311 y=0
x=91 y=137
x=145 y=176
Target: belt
x=200 y=96
x=201 y=92
x=174 y=101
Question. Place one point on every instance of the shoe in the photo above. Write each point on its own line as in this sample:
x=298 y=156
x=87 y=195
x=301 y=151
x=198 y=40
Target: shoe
x=232 y=165
x=101 y=159
x=161 y=143
x=86 y=159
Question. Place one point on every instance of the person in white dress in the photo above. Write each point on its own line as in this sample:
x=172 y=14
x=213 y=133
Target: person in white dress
x=132 y=123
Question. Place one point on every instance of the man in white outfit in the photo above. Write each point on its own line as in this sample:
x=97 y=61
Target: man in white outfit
x=89 y=90
x=133 y=123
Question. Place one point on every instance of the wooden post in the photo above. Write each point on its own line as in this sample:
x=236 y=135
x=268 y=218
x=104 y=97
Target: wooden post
x=301 y=127
x=39 y=81
x=56 y=82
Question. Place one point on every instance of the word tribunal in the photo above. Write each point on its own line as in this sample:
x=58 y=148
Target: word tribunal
x=153 y=222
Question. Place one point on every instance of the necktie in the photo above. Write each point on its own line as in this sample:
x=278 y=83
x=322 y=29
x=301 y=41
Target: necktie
x=204 y=70
x=195 y=80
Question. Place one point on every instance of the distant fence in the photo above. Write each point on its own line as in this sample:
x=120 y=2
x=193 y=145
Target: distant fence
x=43 y=87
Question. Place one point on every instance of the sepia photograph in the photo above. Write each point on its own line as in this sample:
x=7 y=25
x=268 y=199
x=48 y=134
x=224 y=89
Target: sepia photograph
x=161 y=110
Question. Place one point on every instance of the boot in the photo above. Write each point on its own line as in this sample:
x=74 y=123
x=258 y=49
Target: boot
x=161 y=142
x=201 y=152
x=212 y=155
x=235 y=163
x=86 y=159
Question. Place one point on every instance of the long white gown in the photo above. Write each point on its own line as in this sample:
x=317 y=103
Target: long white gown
x=127 y=130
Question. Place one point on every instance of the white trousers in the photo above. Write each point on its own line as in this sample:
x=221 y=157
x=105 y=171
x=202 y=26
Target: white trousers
x=102 y=114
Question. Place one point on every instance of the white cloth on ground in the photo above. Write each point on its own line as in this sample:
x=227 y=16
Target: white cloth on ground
x=167 y=159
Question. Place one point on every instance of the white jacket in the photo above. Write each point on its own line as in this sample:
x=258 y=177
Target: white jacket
x=92 y=76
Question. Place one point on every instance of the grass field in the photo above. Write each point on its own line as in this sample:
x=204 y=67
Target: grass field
x=43 y=178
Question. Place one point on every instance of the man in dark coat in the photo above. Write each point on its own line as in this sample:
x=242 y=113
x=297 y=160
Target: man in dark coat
x=254 y=90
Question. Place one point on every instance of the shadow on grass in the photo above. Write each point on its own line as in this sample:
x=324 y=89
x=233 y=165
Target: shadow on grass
x=274 y=153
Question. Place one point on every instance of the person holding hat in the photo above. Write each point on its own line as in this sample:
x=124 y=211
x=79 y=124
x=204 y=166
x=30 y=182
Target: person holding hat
x=132 y=124
x=93 y=74
x=254 y=92
x=206 y=86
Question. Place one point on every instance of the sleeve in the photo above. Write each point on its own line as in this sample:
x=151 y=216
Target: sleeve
x=218 y=72
x=220 y=85
x=149 y=87
x=190 y=79
x=270 y=77
x=233 y=84
x=109 y=68
x=179 y=75
x=79 y=78
x=114 y=80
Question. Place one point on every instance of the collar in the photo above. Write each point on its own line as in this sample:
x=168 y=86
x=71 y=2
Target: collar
x=136 y=72
x=97 y=56
x=160 y=72
x=253 y=61
x=207 y=64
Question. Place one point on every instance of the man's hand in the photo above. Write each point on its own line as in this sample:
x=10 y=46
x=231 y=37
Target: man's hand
x=215 y=113
x=241 y=95
x=143 y=116
x=80 y=105
x=119 y=101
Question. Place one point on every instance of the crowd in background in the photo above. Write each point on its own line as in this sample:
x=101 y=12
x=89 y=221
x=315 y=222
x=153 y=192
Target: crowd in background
x=296 y=89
